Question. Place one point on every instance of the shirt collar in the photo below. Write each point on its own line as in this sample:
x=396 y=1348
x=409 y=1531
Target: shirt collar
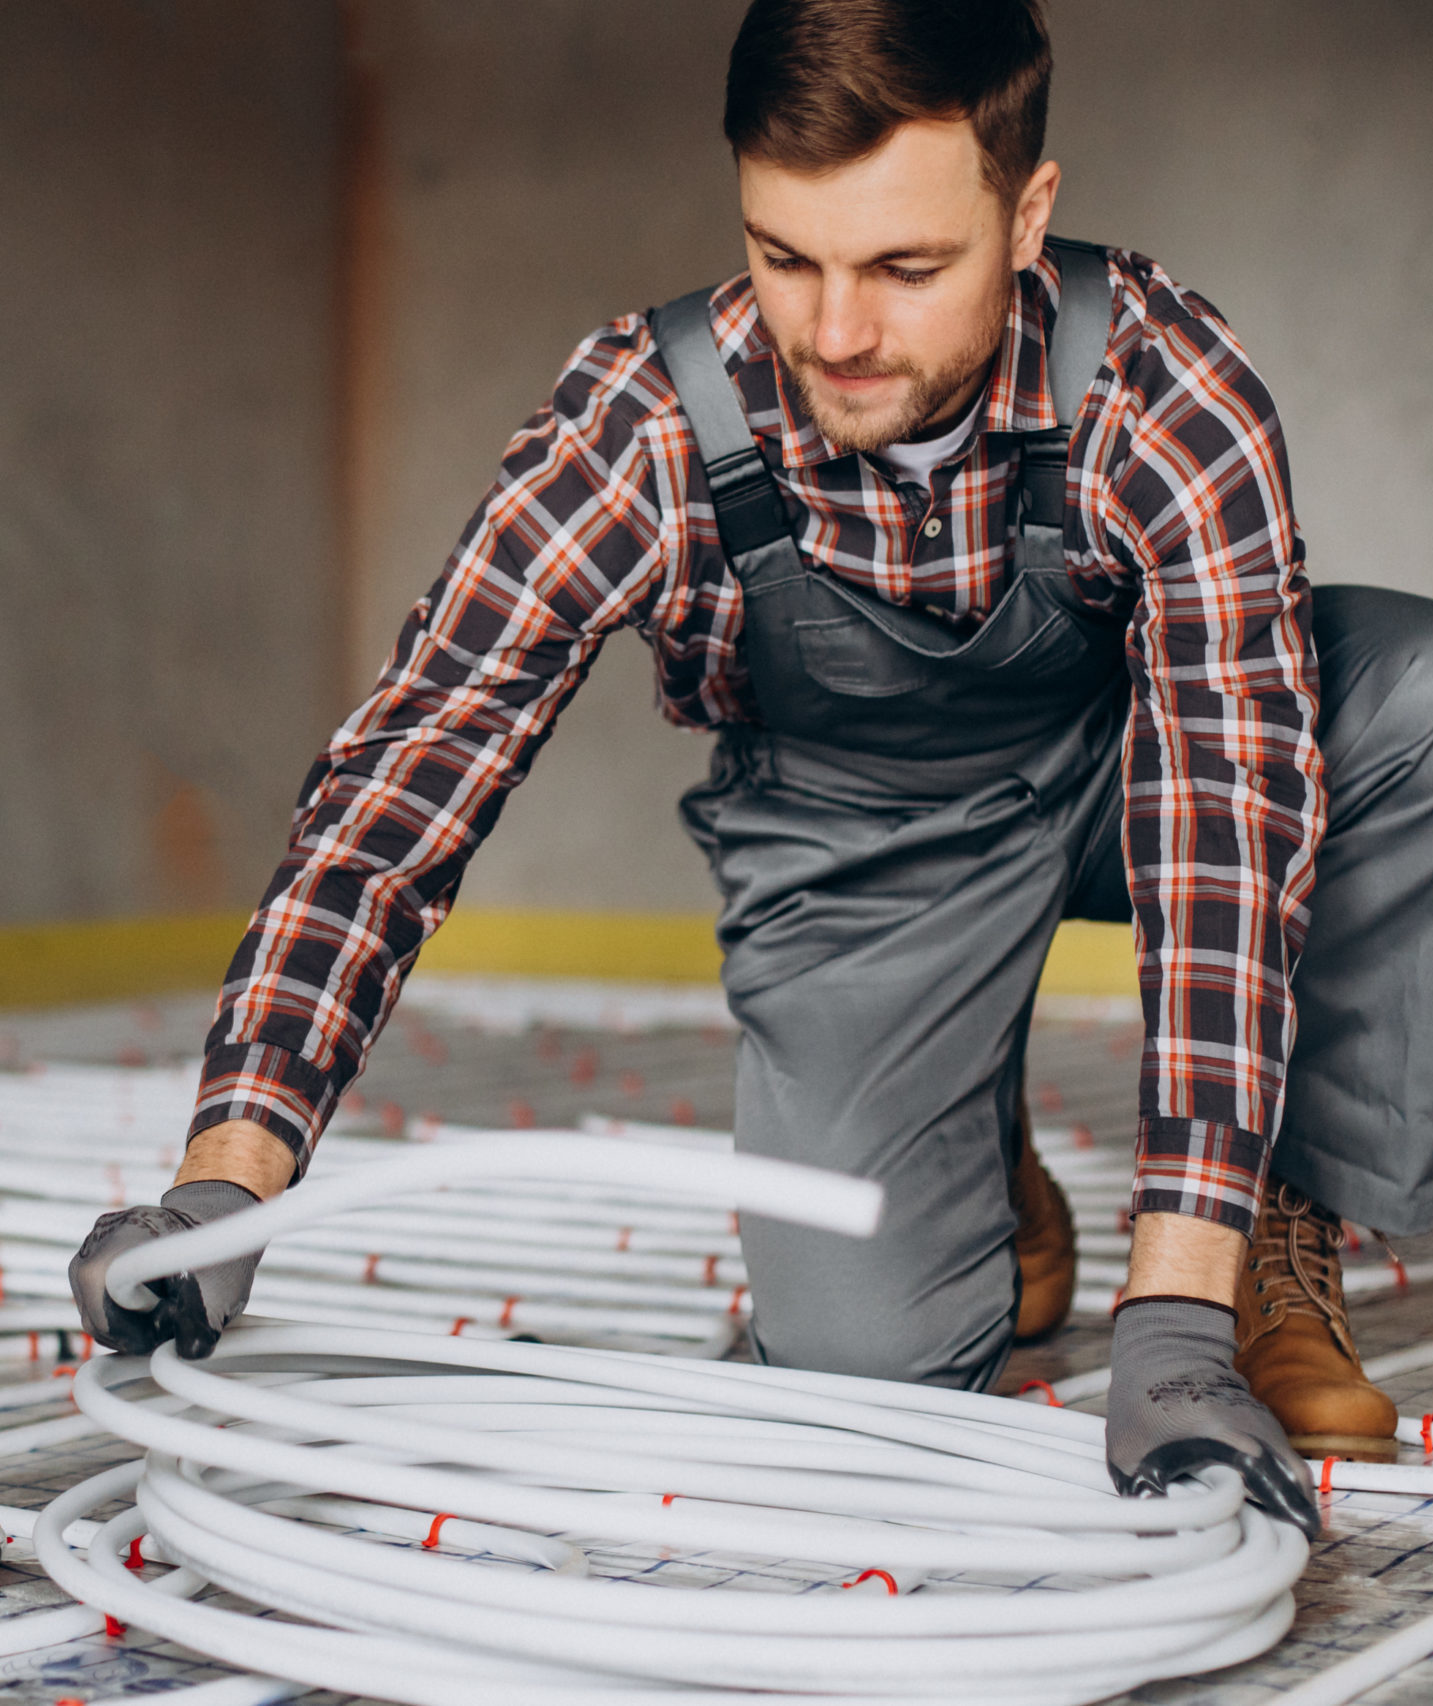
x=1017 y=397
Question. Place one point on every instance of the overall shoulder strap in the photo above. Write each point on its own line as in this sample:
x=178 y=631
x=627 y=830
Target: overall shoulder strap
x=749 y=510
x=1073 y=359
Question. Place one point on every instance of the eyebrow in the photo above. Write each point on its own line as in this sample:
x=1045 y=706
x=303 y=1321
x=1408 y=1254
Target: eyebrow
x=902 y=252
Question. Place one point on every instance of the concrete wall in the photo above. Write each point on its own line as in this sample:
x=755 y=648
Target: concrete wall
x=170 y=624
x=168 y=659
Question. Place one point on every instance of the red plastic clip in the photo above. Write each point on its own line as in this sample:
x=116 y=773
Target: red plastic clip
x=1326 y=1479
x=34 y=1339
x=135 y=1560
x=505 y=1319
x=438 y=1521
x=1045 y=1387
x=456 y=1330
x=69 y=1700
x=370 y=1268
x=1428 y=1436
x=734 y=1223
x=668 y=1497
x=113 y=1626
x=709 y=1270
x=734 y=1307
x=624 y=1238
x=874 y=1576
x=2 y=1285
x=1400 y=1273
x=89 y=1344
x=61 y=1368
x=1083 y=1137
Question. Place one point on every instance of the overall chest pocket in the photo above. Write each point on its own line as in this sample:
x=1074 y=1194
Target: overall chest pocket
x=848 y=655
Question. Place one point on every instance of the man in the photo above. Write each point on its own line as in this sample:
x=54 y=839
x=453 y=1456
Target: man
x=967 y=677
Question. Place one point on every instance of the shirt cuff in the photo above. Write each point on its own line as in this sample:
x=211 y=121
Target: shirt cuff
x=271 y=1086
x=1215 y=1172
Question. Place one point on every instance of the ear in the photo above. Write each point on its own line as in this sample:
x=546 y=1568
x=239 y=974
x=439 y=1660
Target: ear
x=1032 y=216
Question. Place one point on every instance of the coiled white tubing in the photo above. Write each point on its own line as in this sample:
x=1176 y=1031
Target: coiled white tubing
x=658 y=1452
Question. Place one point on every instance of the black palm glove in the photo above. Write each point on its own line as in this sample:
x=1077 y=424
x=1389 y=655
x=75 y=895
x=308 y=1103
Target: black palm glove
x=1176 y=1405
x=193 y=1308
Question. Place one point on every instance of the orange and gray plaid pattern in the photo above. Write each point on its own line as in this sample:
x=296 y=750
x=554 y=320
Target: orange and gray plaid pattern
x=1178 y=503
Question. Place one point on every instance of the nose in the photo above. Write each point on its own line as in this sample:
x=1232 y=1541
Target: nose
x=844 y=326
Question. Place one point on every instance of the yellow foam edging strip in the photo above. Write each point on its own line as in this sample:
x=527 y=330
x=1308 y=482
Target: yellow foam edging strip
x=120 y=959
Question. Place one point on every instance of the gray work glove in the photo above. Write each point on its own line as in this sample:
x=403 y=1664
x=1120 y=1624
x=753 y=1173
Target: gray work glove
x=1176 y=1405
x=193 y=1308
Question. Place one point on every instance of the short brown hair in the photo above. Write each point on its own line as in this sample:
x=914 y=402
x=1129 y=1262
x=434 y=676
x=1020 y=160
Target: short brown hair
x=815 y=84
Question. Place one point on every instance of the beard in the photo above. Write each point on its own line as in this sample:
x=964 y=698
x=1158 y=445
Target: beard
x=855 y=424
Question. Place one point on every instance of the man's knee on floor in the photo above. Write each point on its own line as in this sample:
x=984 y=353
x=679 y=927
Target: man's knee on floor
x=909 y=1347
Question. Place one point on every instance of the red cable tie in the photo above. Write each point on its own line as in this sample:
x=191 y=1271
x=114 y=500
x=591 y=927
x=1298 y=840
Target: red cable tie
x=34 y=1339
x=370 y=1269
x=1326 y=1479
x=709 y=1270
x=505 y=1319
x=1428 y=1436
x=668 y=1497
x=624 y=1238
x=734 y=1307
x=872 y=1576
x=134 y=1561
x=438 y=1521
x=1045 y=1387
x=456 y=1330
x=113 y=1627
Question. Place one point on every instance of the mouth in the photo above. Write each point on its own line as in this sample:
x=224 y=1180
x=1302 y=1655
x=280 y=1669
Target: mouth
x=855 y=385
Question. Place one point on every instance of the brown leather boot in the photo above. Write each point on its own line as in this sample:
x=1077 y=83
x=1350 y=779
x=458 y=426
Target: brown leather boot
x=1044 y=1242
x=1296 y=1347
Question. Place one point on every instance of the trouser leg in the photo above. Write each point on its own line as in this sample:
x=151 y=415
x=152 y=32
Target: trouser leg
x=882 y=963
x=1358 y=1126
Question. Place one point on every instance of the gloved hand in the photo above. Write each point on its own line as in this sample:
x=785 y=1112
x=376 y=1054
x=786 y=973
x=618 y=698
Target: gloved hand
x=193 y=1308
x=1177 y=1405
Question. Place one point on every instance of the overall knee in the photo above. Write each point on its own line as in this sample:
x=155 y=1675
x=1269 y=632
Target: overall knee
x=914 y=1345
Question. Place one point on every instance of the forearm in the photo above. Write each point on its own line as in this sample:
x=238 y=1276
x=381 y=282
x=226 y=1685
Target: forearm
x=1183 y=1255
x=241 y=1152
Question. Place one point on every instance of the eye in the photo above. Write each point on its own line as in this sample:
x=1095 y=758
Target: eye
x=914 y=276
x=784 y=263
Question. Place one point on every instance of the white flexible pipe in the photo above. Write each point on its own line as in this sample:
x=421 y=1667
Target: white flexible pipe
x=1219 y=1592
x=657 y=1453
x=802 y=1194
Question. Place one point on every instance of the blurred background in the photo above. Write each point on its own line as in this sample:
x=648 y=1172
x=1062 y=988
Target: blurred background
x=280 y=280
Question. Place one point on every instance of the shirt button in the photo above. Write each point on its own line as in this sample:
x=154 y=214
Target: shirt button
x=932 y=528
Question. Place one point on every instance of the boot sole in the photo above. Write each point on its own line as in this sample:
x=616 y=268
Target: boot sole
x=1353 y=1448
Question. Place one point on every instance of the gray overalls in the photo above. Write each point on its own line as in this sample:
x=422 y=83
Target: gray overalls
x=897 y=842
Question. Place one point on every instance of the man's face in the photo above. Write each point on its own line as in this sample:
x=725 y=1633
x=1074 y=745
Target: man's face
x=885 y=284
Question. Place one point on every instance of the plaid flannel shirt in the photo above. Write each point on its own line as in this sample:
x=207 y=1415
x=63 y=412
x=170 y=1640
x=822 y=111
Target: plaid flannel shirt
x=1178 y=497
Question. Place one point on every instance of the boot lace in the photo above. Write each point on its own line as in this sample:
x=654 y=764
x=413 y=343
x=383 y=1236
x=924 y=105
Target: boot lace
x=1295 y=1254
